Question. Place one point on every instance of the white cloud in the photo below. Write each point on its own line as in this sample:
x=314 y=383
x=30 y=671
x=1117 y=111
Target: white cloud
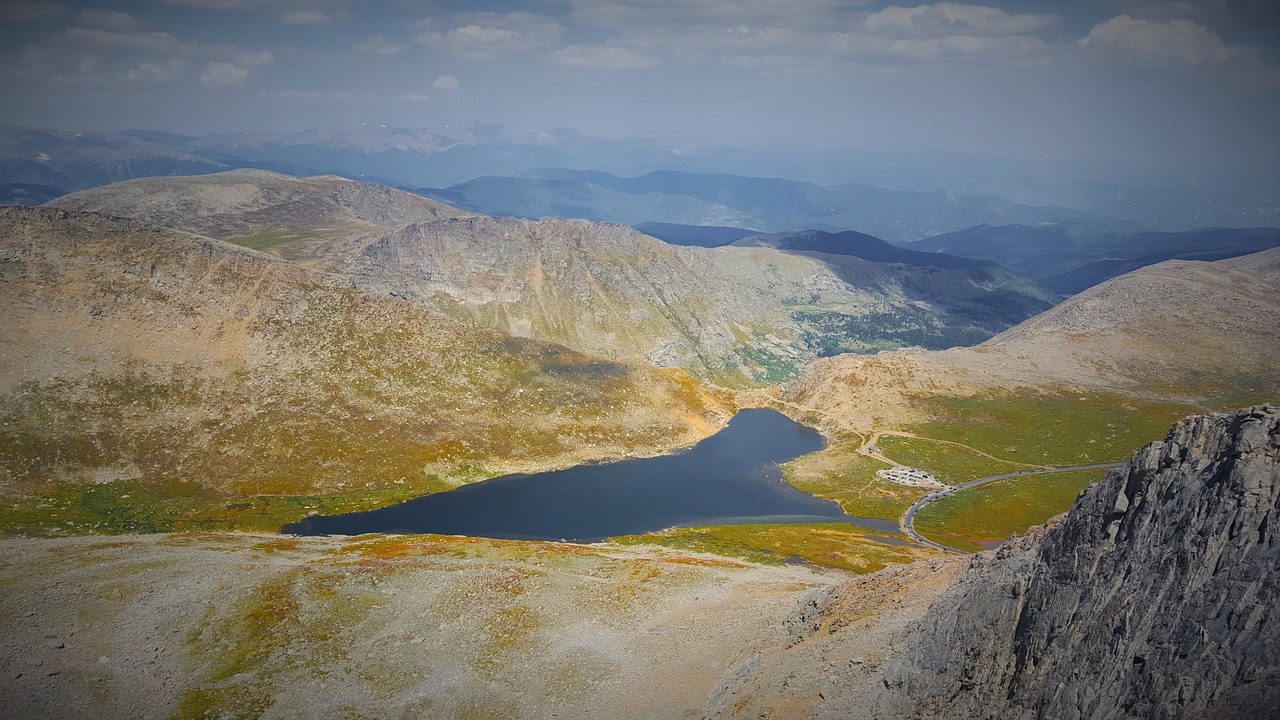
x=379 y=45
x=445 y=82
x=252 y=58
x=599 y=57
x=1160 y=43
x=636 y=14
x=944 y=19
x=166 y=43
x=1164 y=9
x=802 y=36
x=218 y=74
x=346 y=96
x=484 y=36
x=81 y=55
x=962 y=46
x=26 y=10
x=107 y=18
x=135 y=40
x=295 y=12
x=156 y=72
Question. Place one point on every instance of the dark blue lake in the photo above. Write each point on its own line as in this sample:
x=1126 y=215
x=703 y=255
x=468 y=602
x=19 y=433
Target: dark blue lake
x=731 y=477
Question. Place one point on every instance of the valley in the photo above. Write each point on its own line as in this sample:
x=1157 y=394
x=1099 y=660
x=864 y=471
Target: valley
x=193 y=362
x=639 y=360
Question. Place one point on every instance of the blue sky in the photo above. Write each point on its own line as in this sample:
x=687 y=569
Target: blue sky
x=1188 y=83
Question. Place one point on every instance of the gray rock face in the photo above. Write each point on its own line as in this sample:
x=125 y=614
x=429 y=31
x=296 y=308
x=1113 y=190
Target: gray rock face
x=1156 y=597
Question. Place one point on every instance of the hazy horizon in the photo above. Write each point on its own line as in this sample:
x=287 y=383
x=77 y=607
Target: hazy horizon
x=1190 y=86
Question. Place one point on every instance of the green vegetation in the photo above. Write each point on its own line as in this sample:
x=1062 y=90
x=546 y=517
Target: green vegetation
x=978 y=437
x=1065 y=429
x=830 y=332
x=273 y=238
x=768 y=367
x=838 y=545
x=952 y=464
x=840 y=473
x=133 y=506
x=989 y=513
x=372 y=404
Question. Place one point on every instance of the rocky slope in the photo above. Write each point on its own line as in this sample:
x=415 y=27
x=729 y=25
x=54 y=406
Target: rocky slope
x=730 y=314
x=298 y=218
x=735 y=316
x=1155 y=597
x=1178 y=329
x=242 y=625
x=137 y=355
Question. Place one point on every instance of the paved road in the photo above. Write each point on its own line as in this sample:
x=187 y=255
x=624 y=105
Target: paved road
x=907 y=522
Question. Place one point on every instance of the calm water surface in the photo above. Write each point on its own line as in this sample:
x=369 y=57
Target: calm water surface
x=731 y=477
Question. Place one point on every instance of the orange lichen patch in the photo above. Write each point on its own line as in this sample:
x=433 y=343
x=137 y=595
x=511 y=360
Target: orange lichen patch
x=703 y=561
x=838 y=545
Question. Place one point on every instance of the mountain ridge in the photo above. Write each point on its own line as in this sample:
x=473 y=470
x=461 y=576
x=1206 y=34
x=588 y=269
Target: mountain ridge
x=1179 y=328
x=765 y=203
x=280 y=380
x=1068 y=257
x=1154 y=596
x=734 y=315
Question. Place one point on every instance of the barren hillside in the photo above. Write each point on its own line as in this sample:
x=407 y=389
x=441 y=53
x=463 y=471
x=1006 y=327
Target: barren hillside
x=148 y=356
x=313 y=219
x=1178 y=329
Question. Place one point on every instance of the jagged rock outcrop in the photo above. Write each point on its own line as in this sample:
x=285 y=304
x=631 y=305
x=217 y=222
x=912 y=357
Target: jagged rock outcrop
x=1156 y=596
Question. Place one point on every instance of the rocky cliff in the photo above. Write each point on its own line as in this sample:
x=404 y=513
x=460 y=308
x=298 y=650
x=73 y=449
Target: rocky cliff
x=1155 y=597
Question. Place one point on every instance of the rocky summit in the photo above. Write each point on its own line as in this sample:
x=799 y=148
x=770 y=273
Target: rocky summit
x=1155 y=597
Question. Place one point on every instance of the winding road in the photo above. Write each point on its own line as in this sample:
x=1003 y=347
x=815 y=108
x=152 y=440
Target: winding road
x=907 y=521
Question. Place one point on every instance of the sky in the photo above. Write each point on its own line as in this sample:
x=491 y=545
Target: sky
x=1163 y=83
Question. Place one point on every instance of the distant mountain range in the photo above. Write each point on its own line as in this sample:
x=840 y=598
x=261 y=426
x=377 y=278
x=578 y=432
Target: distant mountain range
x=1069 y=257
x=738 y=315
x=860 y=245
x=761 y=204
x=38 y=164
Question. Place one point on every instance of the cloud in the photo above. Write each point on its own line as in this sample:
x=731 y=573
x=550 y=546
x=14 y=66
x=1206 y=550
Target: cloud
x=27 y=10
x=1159 y=9
x=445 y=82
x=484 y=36
x=167 y=43
x=636 y=14
x=379 y=45
x=802 y=37
x=599 y=57
x=1181 y=49
x=80 y=55
x=944 y=19
x=329 y=96
x=294 y=12
x=107 y=18
x=219 y=74
x=156 y=72
x=136 y=40
x=252 y=58
x=1159 y=43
